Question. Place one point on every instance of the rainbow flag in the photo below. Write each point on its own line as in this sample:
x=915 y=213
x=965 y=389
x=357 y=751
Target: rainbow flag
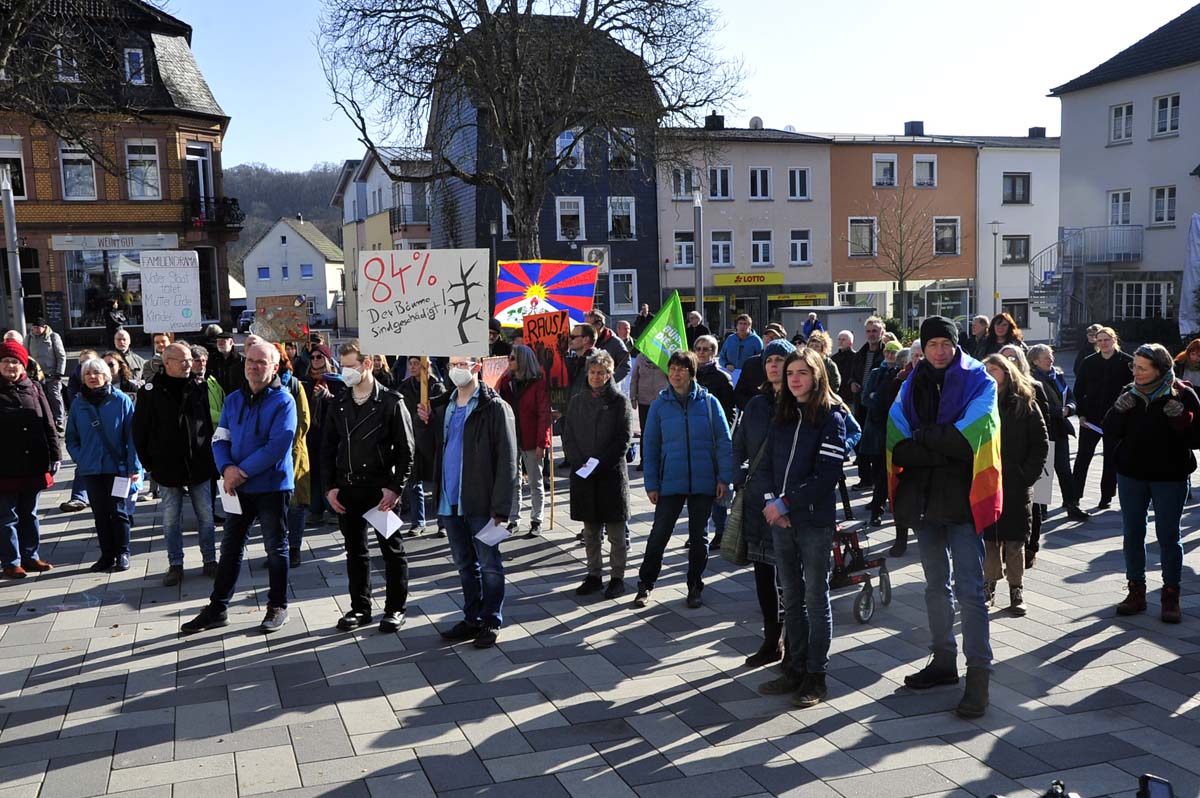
x=969 y=403
x=528 y=287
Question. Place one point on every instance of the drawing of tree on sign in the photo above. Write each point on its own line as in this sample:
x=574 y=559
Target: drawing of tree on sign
x=463 y=306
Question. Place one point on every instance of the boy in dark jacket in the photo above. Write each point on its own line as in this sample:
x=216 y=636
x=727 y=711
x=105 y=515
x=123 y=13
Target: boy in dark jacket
x=367 y=452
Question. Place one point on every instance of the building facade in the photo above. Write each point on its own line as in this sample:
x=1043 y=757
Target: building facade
x=295 y=258
x=765 y=228
x=82 y=229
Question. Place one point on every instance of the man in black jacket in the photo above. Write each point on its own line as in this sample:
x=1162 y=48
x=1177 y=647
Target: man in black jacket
x=644 y=317
x=172 y=431
x=228 y=365
x=471 y=440
x=367 y=453
x=870 y=355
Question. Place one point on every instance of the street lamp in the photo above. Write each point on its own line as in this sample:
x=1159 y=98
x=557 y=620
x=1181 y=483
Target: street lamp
x=995 y=293
x=494 y=227
x=698 y=249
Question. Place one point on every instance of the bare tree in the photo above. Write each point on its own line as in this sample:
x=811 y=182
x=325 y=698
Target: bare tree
x=521 y=72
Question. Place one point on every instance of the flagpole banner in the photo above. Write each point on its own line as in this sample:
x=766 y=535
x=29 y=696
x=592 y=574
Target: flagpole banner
x=528 y=287
x=664 y=334
x=547 y=335
x=429 y=302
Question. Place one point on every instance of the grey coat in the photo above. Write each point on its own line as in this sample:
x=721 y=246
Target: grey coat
x=599 y=427
x=48 y=350
x=647 y=382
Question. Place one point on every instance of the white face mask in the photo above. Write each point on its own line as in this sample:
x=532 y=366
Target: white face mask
x=351 y=377
x=460 y=376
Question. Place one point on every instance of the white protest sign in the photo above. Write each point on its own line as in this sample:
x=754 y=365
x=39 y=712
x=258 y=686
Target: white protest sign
x=425 y=301
x=170 y=290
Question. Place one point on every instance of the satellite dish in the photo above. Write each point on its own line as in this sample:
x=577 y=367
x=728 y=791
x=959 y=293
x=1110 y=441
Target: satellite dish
x=756 y=123
x=790 y=128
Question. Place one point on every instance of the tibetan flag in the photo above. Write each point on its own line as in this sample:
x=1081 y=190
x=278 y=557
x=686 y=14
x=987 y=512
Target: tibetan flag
x=664 y=334
x=968 y=402
x=527 y=287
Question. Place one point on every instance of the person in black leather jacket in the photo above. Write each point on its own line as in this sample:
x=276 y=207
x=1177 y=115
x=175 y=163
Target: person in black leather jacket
x=1098 y=383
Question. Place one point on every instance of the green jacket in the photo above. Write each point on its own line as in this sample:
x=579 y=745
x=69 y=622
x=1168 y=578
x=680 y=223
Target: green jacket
x=216 y=398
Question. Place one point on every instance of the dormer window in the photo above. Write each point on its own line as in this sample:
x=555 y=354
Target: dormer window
x=135 y=66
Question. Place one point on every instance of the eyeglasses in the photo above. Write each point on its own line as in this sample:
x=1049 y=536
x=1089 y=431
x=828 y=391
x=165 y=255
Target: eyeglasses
x=706 y=349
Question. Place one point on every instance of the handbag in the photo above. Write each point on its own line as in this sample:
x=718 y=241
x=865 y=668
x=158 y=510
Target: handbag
x=733 y=542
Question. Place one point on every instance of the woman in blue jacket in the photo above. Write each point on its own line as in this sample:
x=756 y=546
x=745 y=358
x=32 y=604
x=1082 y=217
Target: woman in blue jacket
x=100 y=440
x=804 y=461
x=689 y=460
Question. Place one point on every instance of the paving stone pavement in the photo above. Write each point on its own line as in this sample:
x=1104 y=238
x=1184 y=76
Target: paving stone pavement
x=582 y=697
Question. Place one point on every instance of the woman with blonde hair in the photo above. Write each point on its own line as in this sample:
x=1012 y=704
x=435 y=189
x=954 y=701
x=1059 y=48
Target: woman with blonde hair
x=1024 y=446
x=821 y=342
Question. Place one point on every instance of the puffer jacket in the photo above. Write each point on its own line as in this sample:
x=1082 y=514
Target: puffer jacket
x=369 y=446
x=1099 y=382
x=599 y=427
x=748 y=436
x=90 y=426
x=1023 y=448
x=686 y=444
x=173 y=430
x=1149 y=445
x=803 y=466
x=255 y=434
x=1060 y=398
x=530 y=403
x=647 y=382
x=27 y=429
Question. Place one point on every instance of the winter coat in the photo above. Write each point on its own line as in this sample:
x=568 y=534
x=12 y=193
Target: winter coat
x=735 y=350
x=256 y=433
x=832 y=374
x=301 y=468
x=173 y=431
x=720 y=385
x=692 y=333
x=1060 y=398
x=647 y=381
x=845 y=361
x=48 y=350
x=216 y=399
x=992 y=346
x=530 y=403
x=577 y=373
x=609 y=342
x=875 y=400
x=1024 y=447
x=489 y=457
x=30 y=438
x=811 y=326
x=750 y=381
x=803 y=466
x=318 y=405
x=1149 y=445
x=599 y=427
x=686 y=444
x=107 y=447
x=748 y=437
x=229 y=371
x=410 y=389
x=368 y=446
x=863 y=369
x=1099 y=382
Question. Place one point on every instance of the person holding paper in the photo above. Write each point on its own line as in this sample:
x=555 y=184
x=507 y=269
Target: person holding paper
x=172 y=430
x=1098 y=382
x=597 y=433
x=252 y=447
x=471 y=440
x=100 y=440
x=367 y=448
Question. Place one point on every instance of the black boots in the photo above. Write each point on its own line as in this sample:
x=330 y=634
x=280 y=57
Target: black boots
x=975 y=698
x=901 y=544
x=937 y=671
x=771 y=649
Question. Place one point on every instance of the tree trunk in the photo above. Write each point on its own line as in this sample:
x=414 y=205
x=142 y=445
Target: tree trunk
x=904 y=322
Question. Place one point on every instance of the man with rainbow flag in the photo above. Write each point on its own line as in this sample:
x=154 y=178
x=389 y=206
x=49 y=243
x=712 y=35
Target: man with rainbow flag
x=943 y=460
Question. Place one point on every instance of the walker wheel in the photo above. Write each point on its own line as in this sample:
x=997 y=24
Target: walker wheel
x=864 y=604
x=885 y=585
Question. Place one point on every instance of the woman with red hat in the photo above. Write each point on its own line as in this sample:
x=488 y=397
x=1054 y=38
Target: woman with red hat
x=27 y=426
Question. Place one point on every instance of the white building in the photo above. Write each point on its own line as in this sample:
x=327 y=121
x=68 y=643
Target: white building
x=296 y=258
x=1130 y=180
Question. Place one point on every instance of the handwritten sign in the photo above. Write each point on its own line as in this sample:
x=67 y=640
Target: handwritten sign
x=424 y=301
x=280 y=319
x=493 y=370
x=170 y=290
x=547 y=335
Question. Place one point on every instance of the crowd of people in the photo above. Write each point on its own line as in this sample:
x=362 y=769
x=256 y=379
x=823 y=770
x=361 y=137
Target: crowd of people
x=961 y=438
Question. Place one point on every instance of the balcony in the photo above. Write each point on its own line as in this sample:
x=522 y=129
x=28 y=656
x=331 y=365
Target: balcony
x=401 y=216
x=213 y=213
x=1115 y=243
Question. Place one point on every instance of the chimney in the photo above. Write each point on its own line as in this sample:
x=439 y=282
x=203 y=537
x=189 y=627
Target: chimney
x=300 y=218
x=914 y=128
x=1037 y=132
x=714 y=121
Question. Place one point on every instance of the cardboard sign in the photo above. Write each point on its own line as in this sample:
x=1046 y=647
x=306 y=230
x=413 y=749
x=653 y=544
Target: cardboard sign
x=547 y=335
x=170 y=290
x=493 y=370
x=424 y=301
x=280 y=319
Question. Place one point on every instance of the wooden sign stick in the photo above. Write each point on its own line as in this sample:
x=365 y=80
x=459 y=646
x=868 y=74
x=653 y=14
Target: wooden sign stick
x=425 y=380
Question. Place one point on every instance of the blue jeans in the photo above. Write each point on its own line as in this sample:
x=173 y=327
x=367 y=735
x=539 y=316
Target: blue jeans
x=19 y=530
x=172 y=507
x=666 y=513
x=270 y=510
x=803 y=557
x=415 y=489
x=479 y=567
x=720 y=513
x=111 y=515
x=1168 y=498
x=78 y=491
x=938 y=544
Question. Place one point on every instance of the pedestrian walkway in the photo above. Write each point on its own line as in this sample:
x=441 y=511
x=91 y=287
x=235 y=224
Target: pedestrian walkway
x=582 y=697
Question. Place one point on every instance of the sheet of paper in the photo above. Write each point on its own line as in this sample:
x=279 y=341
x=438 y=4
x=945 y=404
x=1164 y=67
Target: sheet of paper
x=387 y=524
x=232 y=505
x=120 y=487
x=735 y=376
x=492 y=534
x=1093 y=427
x=585 y=470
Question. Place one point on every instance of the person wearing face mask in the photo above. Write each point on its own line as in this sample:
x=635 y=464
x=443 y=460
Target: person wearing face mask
x=1098 y=383
x=228 y=365
x=368 y=453
x=471 y=441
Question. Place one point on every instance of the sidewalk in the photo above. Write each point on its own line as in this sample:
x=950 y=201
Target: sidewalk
x=581 y=698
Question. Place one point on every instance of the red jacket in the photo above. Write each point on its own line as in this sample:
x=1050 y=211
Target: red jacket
x=530 y=402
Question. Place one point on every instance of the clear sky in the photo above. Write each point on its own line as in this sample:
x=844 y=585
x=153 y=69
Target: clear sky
x=962 y=66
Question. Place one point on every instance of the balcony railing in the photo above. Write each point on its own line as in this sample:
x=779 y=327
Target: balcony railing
x=1114 y=243
x=401 y=216
x=885 y=180
x=213 y=213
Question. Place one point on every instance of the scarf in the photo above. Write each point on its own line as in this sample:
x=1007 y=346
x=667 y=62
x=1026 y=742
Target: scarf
x=1149 y=392
x=968 y=401
x=96 y=396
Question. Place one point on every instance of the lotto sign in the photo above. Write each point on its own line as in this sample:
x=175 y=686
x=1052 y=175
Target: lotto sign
x=424 y=301
x=170 y=283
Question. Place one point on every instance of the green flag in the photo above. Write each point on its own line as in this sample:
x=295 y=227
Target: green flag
x=664 y=335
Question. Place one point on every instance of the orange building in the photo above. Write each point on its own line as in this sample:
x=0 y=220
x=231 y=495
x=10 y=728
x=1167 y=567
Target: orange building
x=904 y=204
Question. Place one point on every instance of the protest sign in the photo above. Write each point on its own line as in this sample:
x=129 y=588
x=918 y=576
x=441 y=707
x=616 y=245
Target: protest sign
x=527 y=288
x=170 y=290
x=280 y=319
x=431 y=302
x=547 y=335
x=493 y=370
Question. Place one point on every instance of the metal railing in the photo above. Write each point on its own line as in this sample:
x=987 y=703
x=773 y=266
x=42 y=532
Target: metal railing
x=403 y=215
x=213 y=213
x=1114 y=243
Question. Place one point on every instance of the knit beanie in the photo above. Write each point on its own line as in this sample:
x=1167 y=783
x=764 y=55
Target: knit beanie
x=323 y=350
x=780 y=347
x=938 y=327
x=16 y=351
x=892 y=346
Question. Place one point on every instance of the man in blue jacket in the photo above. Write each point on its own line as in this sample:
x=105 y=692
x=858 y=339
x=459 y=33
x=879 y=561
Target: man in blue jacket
x=740 y=345
x=252 y=447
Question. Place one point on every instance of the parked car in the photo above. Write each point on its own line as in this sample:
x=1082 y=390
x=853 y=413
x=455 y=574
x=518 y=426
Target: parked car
x=245 y=320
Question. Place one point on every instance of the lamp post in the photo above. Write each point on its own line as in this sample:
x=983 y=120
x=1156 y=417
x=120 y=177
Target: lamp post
x=494 y=228
x=698 y=249
x=995 y=292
